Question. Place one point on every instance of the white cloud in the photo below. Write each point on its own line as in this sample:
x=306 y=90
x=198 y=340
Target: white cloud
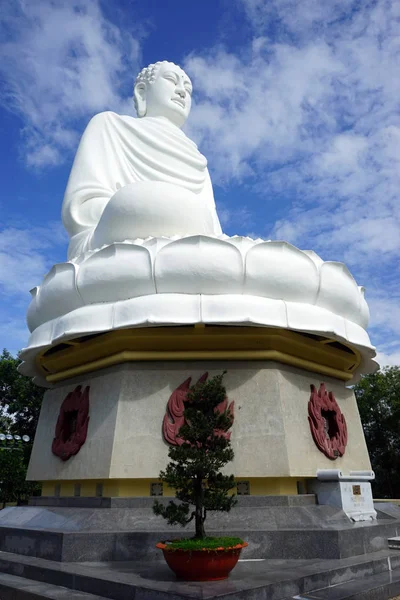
x=60 y=62
x=250 y=111
x=388 y=360
x=295 y=18
x=385 y=322
x=310 y=112
x=230 y=216
x=24 y=256
x=14 y=331
x=385 y=309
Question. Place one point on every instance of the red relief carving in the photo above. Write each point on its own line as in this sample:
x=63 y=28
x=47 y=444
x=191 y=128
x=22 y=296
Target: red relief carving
x=72 y=424
x=327 y=423
x=174 y=419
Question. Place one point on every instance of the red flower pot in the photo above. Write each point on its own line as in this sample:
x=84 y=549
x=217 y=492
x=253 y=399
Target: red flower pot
x=202 y=565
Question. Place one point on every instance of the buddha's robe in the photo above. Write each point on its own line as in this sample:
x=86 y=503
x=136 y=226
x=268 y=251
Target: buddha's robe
x=118 y=151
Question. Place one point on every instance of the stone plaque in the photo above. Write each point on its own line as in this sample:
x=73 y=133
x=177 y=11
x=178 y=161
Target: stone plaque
x=357 y=500
x=354 y=497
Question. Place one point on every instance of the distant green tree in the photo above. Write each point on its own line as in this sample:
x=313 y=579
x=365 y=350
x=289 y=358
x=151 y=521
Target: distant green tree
x=12 y=474
x=20 y=398
x=20 y=402
x=378 y=399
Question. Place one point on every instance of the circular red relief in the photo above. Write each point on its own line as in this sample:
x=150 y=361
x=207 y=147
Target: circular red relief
x=174 y=416
x=72 y=424
x=327 y=423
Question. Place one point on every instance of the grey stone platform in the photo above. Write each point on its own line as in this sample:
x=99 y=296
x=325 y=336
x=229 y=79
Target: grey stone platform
x=92 y=548
x=147 y=502
x=297 y=528
x=371 y=577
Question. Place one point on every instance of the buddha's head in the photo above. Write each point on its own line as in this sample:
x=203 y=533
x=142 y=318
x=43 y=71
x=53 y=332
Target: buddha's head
x=163 y=90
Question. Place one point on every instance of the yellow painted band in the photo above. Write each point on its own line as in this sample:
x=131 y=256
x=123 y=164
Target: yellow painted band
x=131 y=488
x=310 y=352
x=129 y=356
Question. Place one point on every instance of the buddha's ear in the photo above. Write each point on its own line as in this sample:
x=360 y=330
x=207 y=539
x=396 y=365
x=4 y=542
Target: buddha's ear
x=139 y=94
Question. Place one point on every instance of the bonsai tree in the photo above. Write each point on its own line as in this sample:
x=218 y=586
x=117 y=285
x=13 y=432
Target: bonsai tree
x=194 y=469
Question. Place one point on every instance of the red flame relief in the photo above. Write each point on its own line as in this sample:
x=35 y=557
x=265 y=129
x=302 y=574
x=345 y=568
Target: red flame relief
x=327 y=423
x=174 y=419
x=72 y=424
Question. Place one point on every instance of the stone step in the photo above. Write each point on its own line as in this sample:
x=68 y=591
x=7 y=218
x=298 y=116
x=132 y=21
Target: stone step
x=148 y=501
x=265 y=540
x=19 y=588
x=277 y=579
x=82 y=534
x=382 y=586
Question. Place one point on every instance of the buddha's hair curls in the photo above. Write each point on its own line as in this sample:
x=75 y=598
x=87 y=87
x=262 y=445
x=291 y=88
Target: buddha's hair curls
x=149 y=74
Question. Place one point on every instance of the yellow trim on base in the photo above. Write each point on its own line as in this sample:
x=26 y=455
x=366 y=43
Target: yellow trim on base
x=48 y=488
x=310 y=352
x=133 y=488
x=114 y=488
x=272 y=486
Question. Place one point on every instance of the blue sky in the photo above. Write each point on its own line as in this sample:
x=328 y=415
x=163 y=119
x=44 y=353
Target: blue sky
x=296 y=106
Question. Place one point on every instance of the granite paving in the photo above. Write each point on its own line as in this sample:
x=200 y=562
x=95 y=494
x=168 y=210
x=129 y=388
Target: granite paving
x=378 y=587
x=307 y=531
x=250 y=580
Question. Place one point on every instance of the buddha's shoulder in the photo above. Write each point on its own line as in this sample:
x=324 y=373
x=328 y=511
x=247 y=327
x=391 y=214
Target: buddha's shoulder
x=109 y=117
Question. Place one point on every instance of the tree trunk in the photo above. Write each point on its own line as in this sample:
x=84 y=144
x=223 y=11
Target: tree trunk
x=199 y=519
x=200 y=533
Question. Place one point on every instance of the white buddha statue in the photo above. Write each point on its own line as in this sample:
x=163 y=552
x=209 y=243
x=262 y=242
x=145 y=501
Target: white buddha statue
x=135 y=178
x=135 y=181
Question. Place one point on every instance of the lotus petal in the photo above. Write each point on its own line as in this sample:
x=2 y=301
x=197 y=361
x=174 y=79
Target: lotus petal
x=281 y=271
x=364 y=309
x=117 y=272
x=242 y=243
x=199 y=265
x=58 y=294
x=339 y=292
x=154 y=245
x=32 y=315
x=314 y=257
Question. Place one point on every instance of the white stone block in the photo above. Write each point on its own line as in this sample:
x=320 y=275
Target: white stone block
x=353 y=496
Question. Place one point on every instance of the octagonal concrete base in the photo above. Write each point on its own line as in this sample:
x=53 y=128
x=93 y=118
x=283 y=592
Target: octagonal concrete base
x=270 y=435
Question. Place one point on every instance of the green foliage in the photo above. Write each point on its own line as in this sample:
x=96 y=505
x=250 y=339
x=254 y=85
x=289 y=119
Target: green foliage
x=207 y=543
x=19 y=396
x=12 y=474
x=378 y=399
x=194 y=470
x=20 y=402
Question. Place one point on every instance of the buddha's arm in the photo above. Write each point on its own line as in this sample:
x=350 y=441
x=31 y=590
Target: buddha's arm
x=92 y=182
x=208 y=195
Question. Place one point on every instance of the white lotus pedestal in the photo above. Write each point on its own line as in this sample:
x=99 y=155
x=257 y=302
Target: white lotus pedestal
x=130 y=412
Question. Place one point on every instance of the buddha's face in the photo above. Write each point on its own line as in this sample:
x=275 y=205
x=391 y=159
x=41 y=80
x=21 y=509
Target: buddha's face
x=169 y=95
